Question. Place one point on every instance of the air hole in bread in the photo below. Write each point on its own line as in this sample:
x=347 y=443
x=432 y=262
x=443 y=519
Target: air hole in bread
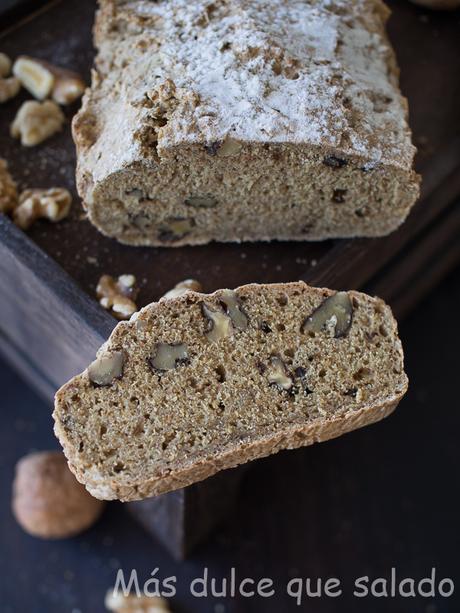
x=221 y=374
x=282 y=300
x=119 y=467
x=361 y=374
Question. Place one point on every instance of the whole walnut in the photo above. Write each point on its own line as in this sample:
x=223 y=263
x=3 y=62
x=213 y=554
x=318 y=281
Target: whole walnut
x=48 y=501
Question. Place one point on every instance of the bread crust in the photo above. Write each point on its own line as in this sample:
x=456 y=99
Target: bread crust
x=184 y=473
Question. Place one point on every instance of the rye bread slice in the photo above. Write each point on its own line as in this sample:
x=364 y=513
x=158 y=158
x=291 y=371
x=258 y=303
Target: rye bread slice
x=193 y=385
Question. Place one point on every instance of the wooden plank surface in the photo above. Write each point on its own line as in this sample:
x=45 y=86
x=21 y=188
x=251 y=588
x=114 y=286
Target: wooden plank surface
x=58 y=265
x=51 y=327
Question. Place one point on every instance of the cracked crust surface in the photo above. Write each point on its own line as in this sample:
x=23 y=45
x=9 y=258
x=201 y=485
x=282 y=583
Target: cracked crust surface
x=262 y=383
x=244 y=120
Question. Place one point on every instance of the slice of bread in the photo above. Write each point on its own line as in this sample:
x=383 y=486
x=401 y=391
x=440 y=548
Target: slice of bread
x=193 y=385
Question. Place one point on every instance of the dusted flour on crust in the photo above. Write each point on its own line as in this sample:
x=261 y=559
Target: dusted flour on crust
x=244 y=120
x=193 y=385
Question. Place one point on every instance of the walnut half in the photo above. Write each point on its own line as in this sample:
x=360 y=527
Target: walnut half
x=51 y=204
x=118 y=296
x=35 y=122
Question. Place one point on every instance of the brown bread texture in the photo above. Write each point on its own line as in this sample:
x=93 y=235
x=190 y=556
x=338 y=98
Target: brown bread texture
x=244 y=120
x=200 y=383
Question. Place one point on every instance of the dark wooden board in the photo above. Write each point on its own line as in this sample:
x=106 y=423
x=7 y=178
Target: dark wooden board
x=43 y=305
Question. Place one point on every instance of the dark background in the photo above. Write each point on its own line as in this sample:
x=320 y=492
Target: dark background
x=384 y=496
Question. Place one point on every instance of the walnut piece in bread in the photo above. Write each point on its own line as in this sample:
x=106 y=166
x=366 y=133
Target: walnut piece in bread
x=202 y=385
x=106 y=368
x=48 y=501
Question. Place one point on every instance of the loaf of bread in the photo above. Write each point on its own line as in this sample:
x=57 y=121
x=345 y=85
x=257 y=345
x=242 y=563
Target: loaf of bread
x=244 y=120
x=196 y=384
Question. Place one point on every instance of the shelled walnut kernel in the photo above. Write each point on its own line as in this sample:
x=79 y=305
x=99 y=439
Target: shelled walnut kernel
x=9 y=88
x=68 y=86
x=44 y=80
x=5 y=65
x=188 y=285
x=106 y=368
x=119 y=603
x=37 y=121
x=35 y=77
x=118 y=296
x=52 y=204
